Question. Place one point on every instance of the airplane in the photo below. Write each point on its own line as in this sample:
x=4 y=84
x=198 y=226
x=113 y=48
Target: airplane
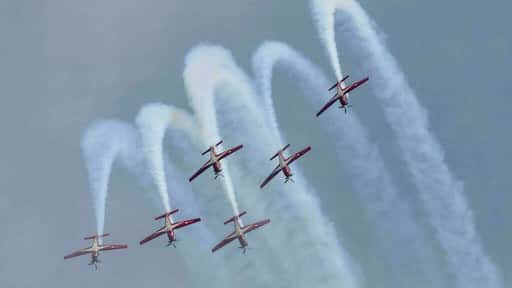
x=239 y=232
x=95 y=249
x=169 y=228
x=341 y=94
x=215 y=160
x=284 y=164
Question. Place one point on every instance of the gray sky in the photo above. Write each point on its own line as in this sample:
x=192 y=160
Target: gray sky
x=64 y=64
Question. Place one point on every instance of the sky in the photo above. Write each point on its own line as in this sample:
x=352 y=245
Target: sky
x=65 y=64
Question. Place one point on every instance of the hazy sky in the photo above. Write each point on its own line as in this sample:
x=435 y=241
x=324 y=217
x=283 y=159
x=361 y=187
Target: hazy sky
x=64 y=64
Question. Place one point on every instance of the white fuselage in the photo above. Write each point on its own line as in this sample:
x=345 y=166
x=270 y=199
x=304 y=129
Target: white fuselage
x=213 y=155
x=240 y=233
x=95 y=248
x=283 y=164
x=282 y=161
x=169 y=224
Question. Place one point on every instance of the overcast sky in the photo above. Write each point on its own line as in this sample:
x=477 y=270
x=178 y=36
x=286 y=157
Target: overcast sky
x=64 y=64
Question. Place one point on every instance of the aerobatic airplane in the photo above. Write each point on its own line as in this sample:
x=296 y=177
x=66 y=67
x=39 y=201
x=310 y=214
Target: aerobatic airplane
x=169 y=228
x=95 y=249
x=284 y=164
x=215 y=160
x=239 y=232
x=341 y=94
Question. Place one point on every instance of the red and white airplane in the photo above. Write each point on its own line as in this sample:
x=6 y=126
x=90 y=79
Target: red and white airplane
x=341 y=94
x=284 y=164
x=95 y=249
x=215 y=160
x=239 y=232
x=169 y=228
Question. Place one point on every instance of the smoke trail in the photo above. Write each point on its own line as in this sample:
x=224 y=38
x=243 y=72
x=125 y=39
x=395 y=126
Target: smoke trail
x=203 y=105
x=370 y=177
x=441 y=193
x=102 y=143
x=323 y=16
x=109 y=141
x=214 y=271
x=210 y=71
x=153 y=121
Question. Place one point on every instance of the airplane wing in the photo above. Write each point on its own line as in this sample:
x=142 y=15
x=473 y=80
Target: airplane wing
x=224 y=242
x=298 y=155
x=77 y=253
x=327 y=105
x=113 y=247
x=229 y=152
x=184 y=223
x=272 y=175
x=254 y=226
x=205 y=166
x=151 y=237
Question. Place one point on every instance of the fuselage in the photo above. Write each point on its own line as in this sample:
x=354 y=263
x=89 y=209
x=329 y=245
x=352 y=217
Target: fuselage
x=283 y=163
x=342 y=96
x=214 y=158
x=169 y=228
x=94 y=250
x=240 y=234
x=342 y=93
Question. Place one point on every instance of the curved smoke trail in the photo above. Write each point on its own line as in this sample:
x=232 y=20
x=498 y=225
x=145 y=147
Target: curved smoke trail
x=202 y=102
x=369 y=174
x=153 y=121
x=211 y=71
x=109 y=141
x=102 y=143
x=203 y=107
x=440 y=191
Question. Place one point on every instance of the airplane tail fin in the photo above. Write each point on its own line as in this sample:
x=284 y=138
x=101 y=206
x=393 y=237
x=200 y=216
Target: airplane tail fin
x=167 y=214
x=235 y=217
x=284 y=148
x=96 y=236
x=339 y=82
x=209 y=149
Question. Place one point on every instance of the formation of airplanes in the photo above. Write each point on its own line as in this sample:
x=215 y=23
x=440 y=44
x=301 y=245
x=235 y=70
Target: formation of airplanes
x=240 y=231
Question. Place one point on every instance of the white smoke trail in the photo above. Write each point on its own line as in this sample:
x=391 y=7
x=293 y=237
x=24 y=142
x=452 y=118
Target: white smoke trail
x=102 y=143
x=200 y=82
x=323 y=16
x=215 y=272
x=153 y=121
x=441 y=193
x=203 y=104
x=369 y=174
x=109 y=141
x=210 y=71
